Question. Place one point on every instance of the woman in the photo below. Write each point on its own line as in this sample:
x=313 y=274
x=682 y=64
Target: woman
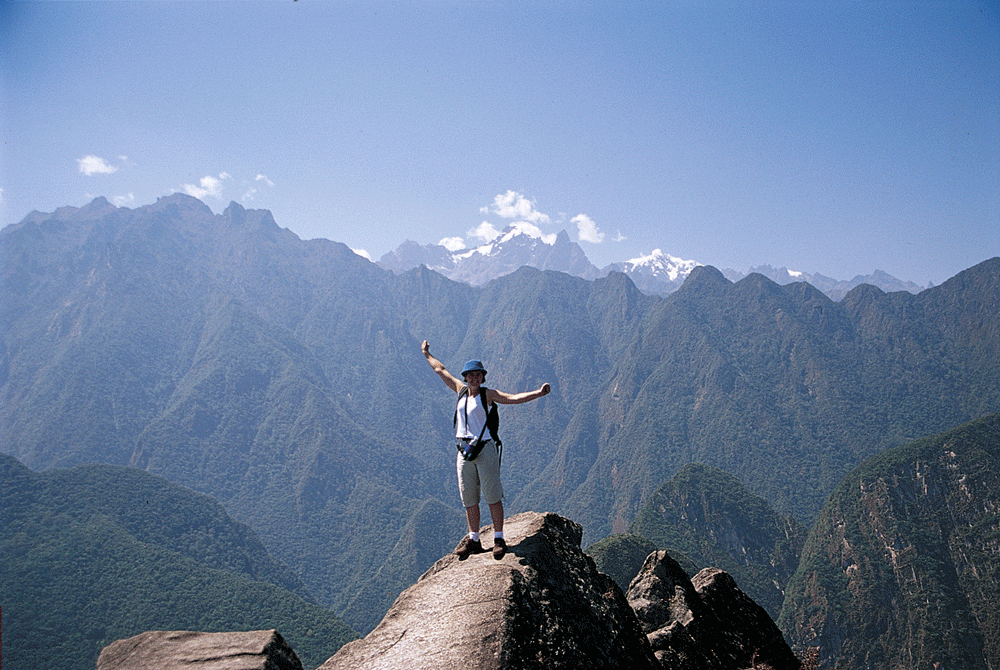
x=481 y=473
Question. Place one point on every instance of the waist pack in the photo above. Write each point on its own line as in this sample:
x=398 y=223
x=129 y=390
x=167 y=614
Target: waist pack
x=470 y=450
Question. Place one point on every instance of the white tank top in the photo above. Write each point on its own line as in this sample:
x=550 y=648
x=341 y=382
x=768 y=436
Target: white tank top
x=471 y=418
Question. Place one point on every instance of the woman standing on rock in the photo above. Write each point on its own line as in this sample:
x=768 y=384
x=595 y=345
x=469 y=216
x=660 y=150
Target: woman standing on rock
x=478 y=460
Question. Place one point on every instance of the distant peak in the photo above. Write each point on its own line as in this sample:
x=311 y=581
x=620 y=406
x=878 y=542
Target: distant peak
x=654 y=255
x=179 y=198
x=704 y=278
x=182 y=201
x=235 y=213
x=525 y=229
x=96 y=207
x=656 y=260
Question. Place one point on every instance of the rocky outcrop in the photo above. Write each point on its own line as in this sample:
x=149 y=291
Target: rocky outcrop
x=704 y=623
x=188 y=650
x=543 y=605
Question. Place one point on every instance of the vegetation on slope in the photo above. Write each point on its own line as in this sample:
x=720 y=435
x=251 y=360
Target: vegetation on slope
x=901 y=568
x=98 y=553
x=710 y=517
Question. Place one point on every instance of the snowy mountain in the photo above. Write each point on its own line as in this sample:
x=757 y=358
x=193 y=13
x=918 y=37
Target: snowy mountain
x=516 y=247
x=658 y=273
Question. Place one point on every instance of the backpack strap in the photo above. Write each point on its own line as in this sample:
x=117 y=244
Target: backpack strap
x=492 y=421
x=461 y=394
x=492 y=417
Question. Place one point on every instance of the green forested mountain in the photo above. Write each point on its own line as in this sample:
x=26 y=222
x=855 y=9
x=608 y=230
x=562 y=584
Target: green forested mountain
x=901 y=569
x=705 y=517
x=708 y=516
x=284 y=378
x=97 y=553
x=164 y=338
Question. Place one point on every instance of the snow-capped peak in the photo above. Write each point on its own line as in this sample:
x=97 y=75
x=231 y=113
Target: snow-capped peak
x=659 y=263
x=528 y=231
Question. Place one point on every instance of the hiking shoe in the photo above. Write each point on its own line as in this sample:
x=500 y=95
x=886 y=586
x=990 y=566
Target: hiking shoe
x=499 y=548
x=468 y=546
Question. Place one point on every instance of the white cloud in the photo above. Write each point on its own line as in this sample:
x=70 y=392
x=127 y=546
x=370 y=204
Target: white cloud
x=513 y=205
x=484 y=231
x=123 y=200
x=95 y=165
x=208 y=185
x=619 y=237
x=251 y=192
x=531 y=230
x=452 y=243
x=588 y=230
x=364 y=254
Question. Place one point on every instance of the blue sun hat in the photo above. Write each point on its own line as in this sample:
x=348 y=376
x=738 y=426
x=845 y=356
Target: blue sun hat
x=473 y=366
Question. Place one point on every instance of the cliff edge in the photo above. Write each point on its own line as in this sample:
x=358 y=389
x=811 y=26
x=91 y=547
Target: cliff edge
x=543 y=605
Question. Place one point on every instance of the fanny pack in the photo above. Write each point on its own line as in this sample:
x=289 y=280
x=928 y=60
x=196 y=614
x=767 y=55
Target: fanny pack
x=470 y=449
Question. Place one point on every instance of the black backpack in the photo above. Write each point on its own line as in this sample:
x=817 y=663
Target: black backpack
x=492 y=417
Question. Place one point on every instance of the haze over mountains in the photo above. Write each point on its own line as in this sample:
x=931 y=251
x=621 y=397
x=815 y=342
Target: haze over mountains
x=284 y=378
x=657 y=273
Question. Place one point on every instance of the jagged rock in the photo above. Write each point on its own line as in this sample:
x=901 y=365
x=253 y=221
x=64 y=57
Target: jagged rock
x=672 y=614
x=543 y=605
x=750 y=634
x=187 y=650
x=705 y=623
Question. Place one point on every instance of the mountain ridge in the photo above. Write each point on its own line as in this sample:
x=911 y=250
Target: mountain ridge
x=656 y=273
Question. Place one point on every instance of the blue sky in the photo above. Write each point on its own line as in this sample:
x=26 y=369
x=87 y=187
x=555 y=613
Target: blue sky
x=833 y=137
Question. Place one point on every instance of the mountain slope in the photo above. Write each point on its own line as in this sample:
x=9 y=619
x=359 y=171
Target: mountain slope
x=97 y=553
x=172 y=339
x=709 y=516
x=901 y=567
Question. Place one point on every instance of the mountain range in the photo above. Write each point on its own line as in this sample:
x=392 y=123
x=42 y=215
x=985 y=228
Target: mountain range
x=284 y=379
x=657 y=273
